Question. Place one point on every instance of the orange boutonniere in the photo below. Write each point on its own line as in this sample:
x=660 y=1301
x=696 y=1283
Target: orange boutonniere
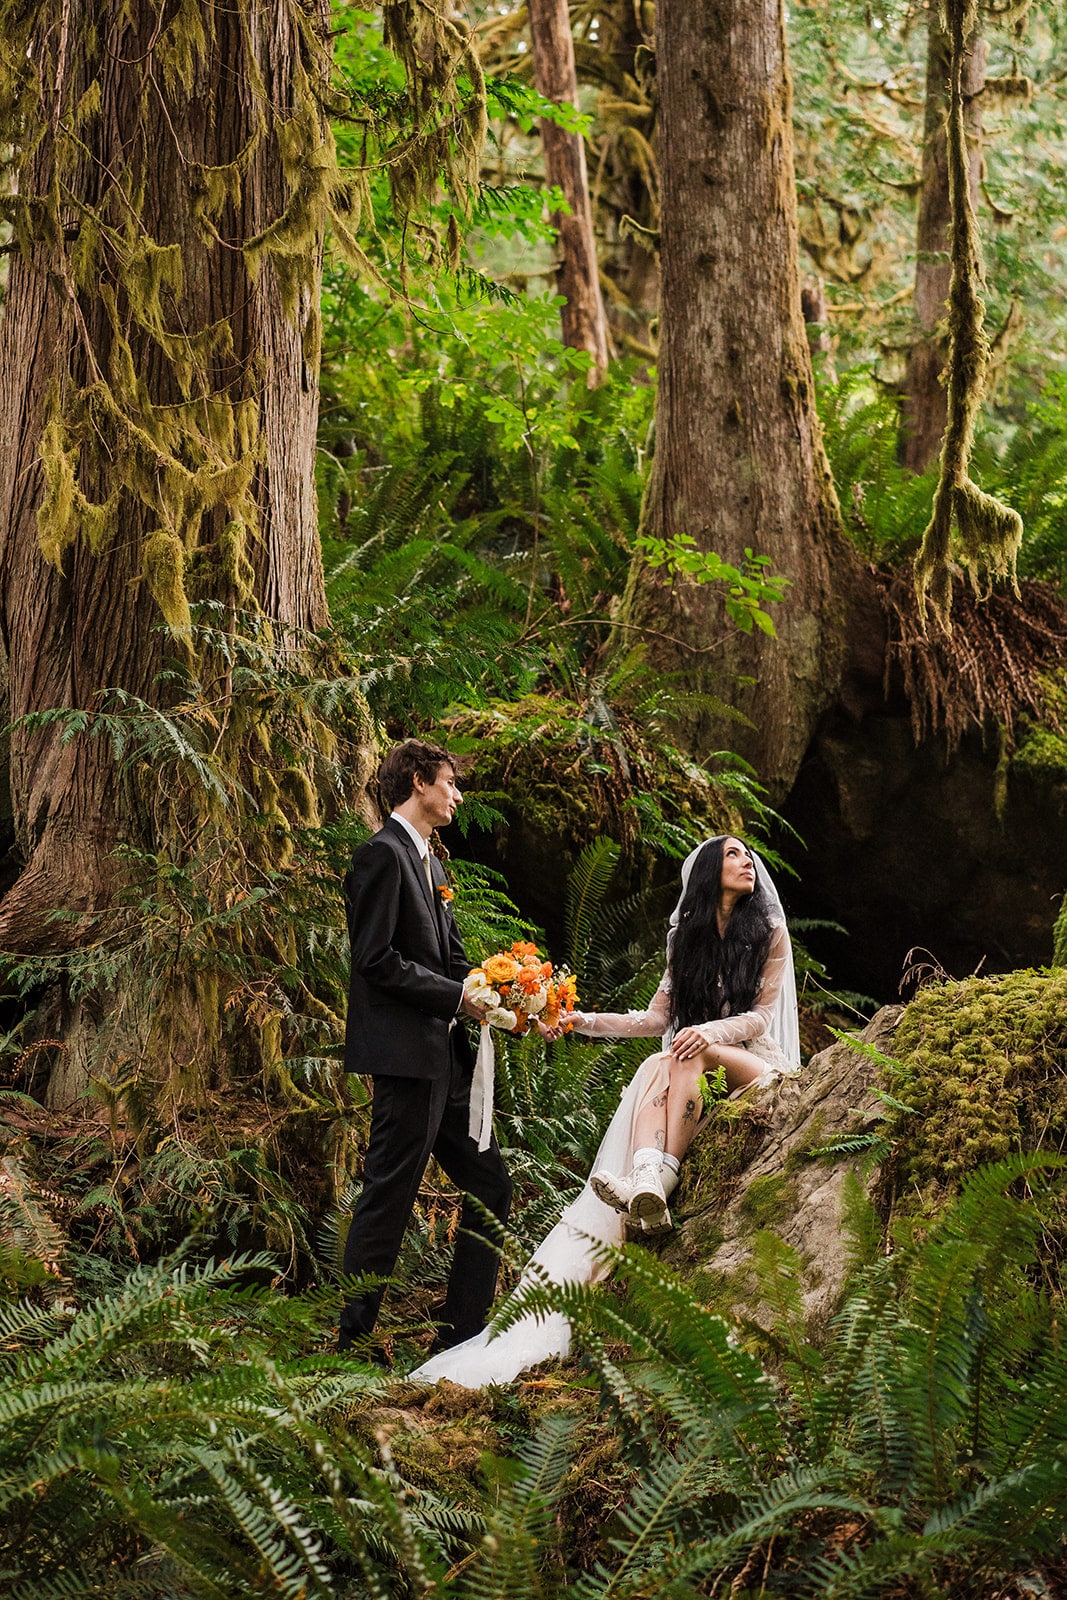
x=445 y=892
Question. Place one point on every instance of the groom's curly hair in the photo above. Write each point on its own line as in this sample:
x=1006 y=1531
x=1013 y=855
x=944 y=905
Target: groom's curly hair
x=716 y=976
x=397 y=773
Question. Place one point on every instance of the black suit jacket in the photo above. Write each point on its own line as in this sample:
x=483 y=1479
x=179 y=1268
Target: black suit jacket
x=408 y=962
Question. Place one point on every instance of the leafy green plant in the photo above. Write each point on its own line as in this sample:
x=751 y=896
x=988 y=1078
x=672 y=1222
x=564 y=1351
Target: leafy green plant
x=922 y=1442
x=164 y=1440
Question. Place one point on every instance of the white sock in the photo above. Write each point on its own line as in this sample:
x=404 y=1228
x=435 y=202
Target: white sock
x=672 y=1162
x=647 y=1157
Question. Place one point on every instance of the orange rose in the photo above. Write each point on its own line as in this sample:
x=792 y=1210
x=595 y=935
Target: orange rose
x=500 y=969
x=529 y=980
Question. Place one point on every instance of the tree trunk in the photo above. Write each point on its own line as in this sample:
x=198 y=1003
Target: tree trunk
x=739 y=462
x=577 y=278
x=621 y=64
x=817 y=320
x=924 y=402
x=158 y=405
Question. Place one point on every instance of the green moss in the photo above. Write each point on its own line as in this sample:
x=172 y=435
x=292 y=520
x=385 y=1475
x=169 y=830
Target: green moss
x=768 y=1199
x=721 y=1292
x=163 y=569
x=804 y=1149
x=984 y=1064
x=1059 y=937
x=724 y=1149
x=297 y=793
x=1042 y=753
x=558 y=774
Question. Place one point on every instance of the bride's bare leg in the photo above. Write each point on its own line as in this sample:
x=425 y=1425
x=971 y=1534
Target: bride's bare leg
x=684 y=1106
x=669 y=1113
x=650 y=1123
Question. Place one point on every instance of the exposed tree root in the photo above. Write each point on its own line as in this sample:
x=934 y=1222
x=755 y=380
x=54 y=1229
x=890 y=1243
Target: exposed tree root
x=990 y=670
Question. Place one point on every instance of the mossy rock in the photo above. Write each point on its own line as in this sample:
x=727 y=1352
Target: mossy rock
x=983 y=1065
x=734 y=1135
x=769 y=1199
x=757 y=1166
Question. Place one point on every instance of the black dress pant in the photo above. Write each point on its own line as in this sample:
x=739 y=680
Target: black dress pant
x=413 y=1119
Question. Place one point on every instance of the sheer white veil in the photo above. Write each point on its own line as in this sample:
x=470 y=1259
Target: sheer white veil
x=567 y=1255
x=784 y=1028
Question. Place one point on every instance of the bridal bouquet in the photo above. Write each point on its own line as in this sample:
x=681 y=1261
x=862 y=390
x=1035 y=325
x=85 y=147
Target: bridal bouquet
x=515 y=985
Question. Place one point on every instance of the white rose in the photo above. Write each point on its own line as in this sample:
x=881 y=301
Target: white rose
x=533 y=1003
x=500 y=1017
x=477 y=988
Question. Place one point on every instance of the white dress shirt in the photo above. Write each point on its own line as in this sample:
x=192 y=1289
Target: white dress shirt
x=420 y=843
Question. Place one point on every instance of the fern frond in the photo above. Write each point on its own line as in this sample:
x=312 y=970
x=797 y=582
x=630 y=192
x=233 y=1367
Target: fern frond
x=586 y=889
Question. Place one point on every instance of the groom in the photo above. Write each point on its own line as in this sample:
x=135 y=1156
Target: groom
x=405 y=1001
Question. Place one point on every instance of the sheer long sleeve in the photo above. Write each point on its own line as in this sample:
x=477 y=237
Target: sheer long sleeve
x=646 y=1024
x=748 y=1025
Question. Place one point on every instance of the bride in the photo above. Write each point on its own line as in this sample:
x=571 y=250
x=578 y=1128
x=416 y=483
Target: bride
x=729 y=959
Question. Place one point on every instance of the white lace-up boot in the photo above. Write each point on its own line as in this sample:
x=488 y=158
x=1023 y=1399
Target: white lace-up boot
x=669 y=1177
x=643 y=1195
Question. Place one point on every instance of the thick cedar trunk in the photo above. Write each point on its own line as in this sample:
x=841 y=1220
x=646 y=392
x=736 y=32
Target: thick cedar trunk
x=94 y=625
x=924 y=402
x=739 y=461
x=577 y=278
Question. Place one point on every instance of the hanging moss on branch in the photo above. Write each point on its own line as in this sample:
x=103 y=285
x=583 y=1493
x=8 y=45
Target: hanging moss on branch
x=987 y=532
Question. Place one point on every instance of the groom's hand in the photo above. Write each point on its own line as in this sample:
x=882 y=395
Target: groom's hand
x=550 y=1034
x=467 y=1008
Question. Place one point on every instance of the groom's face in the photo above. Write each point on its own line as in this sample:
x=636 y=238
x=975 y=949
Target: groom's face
x=438 y=800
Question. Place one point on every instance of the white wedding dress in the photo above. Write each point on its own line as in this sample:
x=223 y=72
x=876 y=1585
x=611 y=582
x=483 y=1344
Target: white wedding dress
x=569 y=1254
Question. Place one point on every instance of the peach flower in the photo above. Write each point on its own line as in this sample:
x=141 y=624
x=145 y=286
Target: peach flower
x=501 y=969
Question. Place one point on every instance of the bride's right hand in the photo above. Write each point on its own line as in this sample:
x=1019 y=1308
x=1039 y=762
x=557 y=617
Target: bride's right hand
x=550 y=1032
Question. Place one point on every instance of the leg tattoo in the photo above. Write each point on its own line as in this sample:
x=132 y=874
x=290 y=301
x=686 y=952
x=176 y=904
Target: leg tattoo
x=690 y=1113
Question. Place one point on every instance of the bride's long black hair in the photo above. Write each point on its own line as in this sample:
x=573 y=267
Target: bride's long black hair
x=716 y=976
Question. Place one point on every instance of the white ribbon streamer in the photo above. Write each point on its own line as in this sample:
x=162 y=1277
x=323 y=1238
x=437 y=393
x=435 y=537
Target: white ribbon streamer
x=480 y=1127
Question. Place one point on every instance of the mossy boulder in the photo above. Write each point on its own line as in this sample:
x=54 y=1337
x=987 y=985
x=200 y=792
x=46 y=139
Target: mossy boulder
x=980 y=1064
x=983 y=1065
x=756 y=1167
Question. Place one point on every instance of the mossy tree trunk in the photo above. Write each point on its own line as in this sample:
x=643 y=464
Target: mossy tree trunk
x=739 y=463
x=577 y=279
x=620 y=63
x=159 y=395
x=924 y=403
